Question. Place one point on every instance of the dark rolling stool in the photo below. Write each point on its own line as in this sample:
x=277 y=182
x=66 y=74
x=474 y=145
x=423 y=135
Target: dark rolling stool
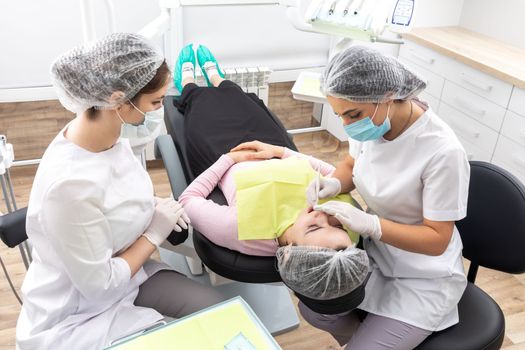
x=493 y=235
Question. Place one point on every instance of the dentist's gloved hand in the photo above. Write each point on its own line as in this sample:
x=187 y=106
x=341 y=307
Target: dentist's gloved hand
x=367 y=225
x=328 y=187
x=168 y=216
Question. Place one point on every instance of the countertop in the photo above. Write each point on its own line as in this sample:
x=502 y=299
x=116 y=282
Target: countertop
x=504 y=61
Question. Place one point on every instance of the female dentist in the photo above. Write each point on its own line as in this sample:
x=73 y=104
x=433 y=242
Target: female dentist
x=92 y=218
x=413 y=174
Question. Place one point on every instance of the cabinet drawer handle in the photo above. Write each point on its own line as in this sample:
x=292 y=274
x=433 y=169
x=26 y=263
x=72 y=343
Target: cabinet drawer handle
x=475 y=83
x=423 y=59
x=518 y=160
x=463 y=130
x=464 y=104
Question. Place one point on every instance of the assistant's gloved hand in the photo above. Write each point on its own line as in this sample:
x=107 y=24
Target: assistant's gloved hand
x=168 y=216
x=367 y=225
x=328 y=187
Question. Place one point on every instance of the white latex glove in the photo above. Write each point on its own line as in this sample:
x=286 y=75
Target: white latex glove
x=328 y=187
x=168 y=216
x=367 y=225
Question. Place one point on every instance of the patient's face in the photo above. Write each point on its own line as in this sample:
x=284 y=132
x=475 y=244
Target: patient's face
x=315 y=228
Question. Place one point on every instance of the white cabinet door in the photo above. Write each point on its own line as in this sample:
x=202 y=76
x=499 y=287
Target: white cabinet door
x=517 y=101
x=473 y=105
x=514 y=127
x=483 y=84
x=423 y=57
x=510 y=156
x=469 y=129
x=491 y=88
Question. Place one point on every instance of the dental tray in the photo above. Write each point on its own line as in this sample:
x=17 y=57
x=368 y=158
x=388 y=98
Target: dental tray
x=307 y=87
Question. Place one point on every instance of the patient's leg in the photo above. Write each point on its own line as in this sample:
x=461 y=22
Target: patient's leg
x=216 y=80
x=218 y=119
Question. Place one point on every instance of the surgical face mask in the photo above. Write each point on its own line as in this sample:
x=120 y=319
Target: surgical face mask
x=147 y=127
x=366 y=130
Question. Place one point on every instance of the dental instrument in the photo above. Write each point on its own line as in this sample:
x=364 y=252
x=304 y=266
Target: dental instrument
x=318 y=184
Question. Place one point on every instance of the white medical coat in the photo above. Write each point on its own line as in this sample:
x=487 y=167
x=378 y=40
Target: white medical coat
x=423 y=173
x=83 y=210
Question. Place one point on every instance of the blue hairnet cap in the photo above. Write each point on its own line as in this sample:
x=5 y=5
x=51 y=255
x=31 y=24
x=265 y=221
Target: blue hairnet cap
x=364 y=75
x=87 y=76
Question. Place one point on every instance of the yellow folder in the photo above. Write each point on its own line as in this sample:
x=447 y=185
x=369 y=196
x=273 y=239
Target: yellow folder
x=212 y=328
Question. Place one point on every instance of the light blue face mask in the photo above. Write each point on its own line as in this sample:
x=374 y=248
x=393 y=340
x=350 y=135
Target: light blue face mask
x=366 y=130
x=151 y=121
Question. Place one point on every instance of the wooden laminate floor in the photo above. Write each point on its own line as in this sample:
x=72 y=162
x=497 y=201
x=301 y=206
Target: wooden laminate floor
x=507 y=290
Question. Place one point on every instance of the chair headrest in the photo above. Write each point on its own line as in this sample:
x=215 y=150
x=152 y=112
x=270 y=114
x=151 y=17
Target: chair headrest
x=347 y=302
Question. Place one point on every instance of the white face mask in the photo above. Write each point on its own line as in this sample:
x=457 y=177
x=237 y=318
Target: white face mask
x=151 y=121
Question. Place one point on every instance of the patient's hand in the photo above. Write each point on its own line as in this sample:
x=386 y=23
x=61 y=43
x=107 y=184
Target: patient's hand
x=261 y=150
x=242 y=156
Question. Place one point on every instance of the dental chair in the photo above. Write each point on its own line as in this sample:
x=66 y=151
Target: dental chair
x=255 y=278
x=493 y=235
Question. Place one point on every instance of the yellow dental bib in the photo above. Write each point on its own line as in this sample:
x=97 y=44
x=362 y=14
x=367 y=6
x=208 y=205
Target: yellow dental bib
x=271 y=195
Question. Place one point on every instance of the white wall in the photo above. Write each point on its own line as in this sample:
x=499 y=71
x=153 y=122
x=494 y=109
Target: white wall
x=429 y=13
x=502 y=20
x=254 y=35
x=34 y=32
x=438 y=13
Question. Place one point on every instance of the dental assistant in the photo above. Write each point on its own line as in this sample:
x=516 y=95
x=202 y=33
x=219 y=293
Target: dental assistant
x=92 y=218
x=413 y=174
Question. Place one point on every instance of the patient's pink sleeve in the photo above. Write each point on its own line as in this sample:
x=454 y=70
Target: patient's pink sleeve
x=219 y=222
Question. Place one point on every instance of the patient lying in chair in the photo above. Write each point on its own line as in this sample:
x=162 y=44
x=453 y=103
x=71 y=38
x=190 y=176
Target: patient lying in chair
x=264 y=182
x=266 y=202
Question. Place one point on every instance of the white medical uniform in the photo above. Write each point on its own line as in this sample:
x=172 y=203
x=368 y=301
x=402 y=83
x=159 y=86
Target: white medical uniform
x=423 y=173
x=84 y=209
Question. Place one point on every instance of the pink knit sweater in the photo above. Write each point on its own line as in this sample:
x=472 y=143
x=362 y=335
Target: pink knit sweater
x=219 y=222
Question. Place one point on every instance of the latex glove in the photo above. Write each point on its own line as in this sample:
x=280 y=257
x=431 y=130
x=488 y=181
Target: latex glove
x=367 y=225
x=183 y=221
x=168 y=216
x=328 y=187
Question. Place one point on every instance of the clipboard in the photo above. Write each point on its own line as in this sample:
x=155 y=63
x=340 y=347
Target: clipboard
x=231 y=324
